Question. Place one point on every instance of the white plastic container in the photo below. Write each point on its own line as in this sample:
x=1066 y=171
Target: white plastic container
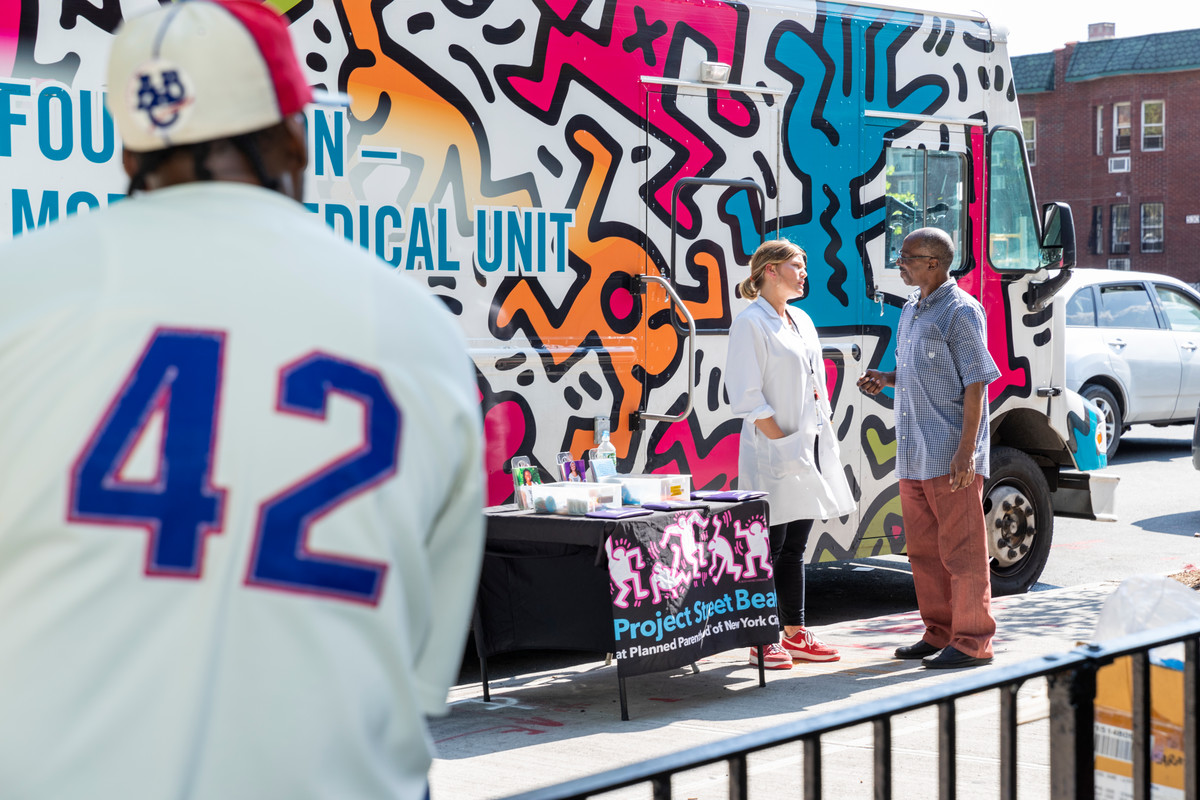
x=651 y=487
x=574 y=498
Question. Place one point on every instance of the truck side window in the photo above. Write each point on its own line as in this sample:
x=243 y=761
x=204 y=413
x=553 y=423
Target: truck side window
x=1012 y=228
x=924 y=188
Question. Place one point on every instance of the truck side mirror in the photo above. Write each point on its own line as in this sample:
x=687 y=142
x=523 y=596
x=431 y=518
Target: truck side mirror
x=1058 y=236
x=1058 y=252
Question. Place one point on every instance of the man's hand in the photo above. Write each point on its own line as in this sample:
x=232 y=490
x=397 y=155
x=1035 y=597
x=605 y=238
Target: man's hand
x=873 y=381
x=962 y=466
x=962 y=469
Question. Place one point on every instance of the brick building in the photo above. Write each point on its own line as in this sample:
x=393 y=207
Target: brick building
x=1113 y=128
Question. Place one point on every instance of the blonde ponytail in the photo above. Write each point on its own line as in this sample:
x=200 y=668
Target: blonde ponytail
x=772 y=251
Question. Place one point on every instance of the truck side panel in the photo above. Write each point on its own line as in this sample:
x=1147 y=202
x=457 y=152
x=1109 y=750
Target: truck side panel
x=522 y=159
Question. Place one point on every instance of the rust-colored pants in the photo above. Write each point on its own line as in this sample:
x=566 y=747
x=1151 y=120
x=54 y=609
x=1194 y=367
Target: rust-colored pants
x=947 y=548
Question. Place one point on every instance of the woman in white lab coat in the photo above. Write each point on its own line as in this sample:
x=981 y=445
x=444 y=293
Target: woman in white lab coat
x=775 y=376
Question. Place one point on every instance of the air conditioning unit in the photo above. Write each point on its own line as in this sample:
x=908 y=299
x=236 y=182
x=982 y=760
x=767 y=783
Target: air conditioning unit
x=1119 y=164
x=1119 y=263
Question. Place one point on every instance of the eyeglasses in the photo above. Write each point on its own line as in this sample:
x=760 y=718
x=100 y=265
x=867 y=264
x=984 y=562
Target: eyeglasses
x=909 y=259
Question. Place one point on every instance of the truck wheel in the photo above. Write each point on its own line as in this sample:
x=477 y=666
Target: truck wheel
x=1019 y=520
x=1110 y=412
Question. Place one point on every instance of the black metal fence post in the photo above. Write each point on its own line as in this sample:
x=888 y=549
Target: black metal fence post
x=1072 y=732
x=739 y=778
x=1008 y=741
x=883 y=758
x=1141 y=725
x=812 y=768
x=947 y=751
x=1191 y=720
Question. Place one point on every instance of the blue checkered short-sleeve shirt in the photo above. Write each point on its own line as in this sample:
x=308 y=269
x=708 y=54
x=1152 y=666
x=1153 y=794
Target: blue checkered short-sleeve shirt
x=941 y=348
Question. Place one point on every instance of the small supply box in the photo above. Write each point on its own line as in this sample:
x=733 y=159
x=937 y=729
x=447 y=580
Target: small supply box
x=651 y=488
x=1114 y=725
x=574 y=498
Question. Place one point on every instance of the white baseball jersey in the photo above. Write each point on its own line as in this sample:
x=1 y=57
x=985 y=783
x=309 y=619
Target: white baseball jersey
x=240 y=506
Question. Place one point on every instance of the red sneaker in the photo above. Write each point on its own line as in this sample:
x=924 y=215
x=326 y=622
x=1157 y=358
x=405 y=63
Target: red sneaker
x=804 y=646
x=774 y=657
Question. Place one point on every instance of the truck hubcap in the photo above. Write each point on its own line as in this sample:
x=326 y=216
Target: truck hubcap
x=1010 y=523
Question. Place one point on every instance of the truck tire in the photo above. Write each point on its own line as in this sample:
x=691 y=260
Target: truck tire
x=1110 y=411
x=1019 y=520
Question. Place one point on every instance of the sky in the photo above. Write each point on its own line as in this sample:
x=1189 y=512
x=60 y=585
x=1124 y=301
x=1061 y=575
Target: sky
x=1040 y=26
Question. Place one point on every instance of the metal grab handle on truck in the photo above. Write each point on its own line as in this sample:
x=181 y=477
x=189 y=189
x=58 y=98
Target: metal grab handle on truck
x=691 y=359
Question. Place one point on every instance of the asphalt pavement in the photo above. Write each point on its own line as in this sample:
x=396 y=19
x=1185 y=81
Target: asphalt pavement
x=556 y=716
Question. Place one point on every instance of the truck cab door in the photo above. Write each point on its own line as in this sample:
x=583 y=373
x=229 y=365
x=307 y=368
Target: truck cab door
x=924 y=179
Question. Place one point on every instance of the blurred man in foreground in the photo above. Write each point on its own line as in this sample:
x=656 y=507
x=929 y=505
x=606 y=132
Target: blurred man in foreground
x=241 y=484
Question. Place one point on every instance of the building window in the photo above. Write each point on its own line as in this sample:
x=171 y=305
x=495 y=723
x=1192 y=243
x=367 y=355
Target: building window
x=1152 y=227
x=1096 y=237
x=1120 y=229
x=1029 y=127
x=1122 y=128
x=1154 y=124
x=1099 y=130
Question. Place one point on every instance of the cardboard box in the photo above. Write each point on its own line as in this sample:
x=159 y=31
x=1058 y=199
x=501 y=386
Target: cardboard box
x=1114 y=732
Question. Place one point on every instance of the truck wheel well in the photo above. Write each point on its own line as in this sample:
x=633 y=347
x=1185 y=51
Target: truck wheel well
x=1029 y=431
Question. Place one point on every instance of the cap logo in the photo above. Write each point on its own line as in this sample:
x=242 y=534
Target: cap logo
x=161 y=96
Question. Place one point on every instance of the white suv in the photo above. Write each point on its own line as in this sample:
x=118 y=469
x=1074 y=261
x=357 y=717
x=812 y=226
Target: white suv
x=1131 y=347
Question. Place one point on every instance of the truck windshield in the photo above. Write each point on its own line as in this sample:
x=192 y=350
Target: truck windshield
x=924 y=188
x=1012 y=229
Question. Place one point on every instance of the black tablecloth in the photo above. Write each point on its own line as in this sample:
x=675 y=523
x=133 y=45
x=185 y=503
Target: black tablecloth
x=699 y=583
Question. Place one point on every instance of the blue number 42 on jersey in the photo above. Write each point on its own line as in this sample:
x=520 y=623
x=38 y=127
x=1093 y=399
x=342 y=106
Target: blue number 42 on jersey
x=179 y=375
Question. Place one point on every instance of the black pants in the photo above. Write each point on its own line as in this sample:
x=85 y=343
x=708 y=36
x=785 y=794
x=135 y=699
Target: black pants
x=788 y=542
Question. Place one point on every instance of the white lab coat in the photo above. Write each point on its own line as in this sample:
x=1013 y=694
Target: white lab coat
x=771 y=371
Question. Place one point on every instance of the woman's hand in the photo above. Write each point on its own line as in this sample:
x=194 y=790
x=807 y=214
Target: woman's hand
x=768 y=427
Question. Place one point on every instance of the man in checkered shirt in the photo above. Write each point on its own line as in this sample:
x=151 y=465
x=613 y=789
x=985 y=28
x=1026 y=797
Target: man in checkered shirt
x=942 y=372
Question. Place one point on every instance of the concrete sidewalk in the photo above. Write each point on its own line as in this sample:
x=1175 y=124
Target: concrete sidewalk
x=553 y=722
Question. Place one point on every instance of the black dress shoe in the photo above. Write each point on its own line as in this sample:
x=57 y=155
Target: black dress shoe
x=918 y=650
x=953 y=658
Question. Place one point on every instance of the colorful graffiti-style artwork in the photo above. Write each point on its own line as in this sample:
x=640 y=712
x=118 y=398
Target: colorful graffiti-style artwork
x=529 y=160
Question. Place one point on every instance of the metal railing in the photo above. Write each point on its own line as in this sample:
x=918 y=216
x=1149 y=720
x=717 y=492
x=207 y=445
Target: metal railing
x=1071 y=679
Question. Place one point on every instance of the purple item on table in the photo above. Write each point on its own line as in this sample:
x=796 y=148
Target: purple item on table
x=618 y=513
x=673 y=505
x=728 y=495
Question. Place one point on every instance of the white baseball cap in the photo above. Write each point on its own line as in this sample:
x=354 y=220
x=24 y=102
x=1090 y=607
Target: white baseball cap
x=199 y=70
